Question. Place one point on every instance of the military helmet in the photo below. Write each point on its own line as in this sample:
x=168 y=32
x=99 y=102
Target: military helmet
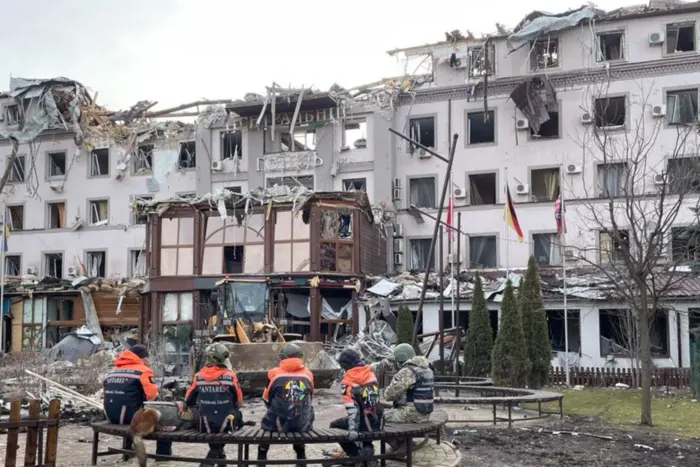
x=404 y=352
x=290 y=350
x=349 y=358
x=216 y=353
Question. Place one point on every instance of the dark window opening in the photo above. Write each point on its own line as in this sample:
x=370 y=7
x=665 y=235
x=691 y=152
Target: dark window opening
x=614 y=247
x=355 y=184
x=15 y=217
x=680 y=38
x=231 y=144
x=57 y=215
x=684 y=175
x=545 y=54
x=233 y=259
x=57 y=164
x=481 y=127
x=611 y=46
x=610 y=112
x=13 y=265
x=463 y=320
x=17 y=171
x=422 y=130
x=99 y=162
x=422 y=192
x=618 y=334
x=143 y=160
x=482 y=189
x=555 y=323
x=420 y=248
x=139 y=217
x=682 y=107
x=685 y=244
x=59 y=310
x=12 y=115
x=482 y=252
x=96 y=263
x=612 y=179
x=547 y=249
x=53 y=263
x=137 y=263
x=477 y=61
x=99 y=211
x=187 y=159
x=550 y=128
x=234 y=189
x=545 y=184
x=188 y=195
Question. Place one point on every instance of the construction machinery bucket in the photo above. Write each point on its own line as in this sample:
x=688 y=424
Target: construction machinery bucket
x=252 y=361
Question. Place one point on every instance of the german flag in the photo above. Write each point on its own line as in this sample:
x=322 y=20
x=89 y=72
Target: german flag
x=510 y=217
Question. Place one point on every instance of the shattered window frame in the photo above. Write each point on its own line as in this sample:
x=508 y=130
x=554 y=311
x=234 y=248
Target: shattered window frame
x=100 y=270
x=472 y=180
x=134 y=256
x=417 y=132
x=61 y=215
x=672 y=32
x=606 y=111
x=420 y=248
x=477 y=116
x=685 y=244
x=94 y=211
x=238 y=189
x=138 y=218
x=12 y=115
x=51 y=257
x=548 y=241
x=476 y=55
x=355 y=184
x=143 y=160
x=292 y=182
x=418 y=194
x=555 y=326
x=187 y=155
x=337 y=231
x=13 y=265
x=488 y=240
x=606 y=242
x=233 y=255
x=32 y=317
x=177 y=332
x=53 y=167
x=15 y=217
x=356 y=124
x=18 y=172
x=675 y=100
x=612 y=179
x=538 y=181
x=602 y=46
x=228 y=149
x=688 y=168
x=616 y=336
x=542 y=52
x=95 y=165
x=555 y=121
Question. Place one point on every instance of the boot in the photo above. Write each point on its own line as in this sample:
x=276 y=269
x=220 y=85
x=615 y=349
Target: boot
x=262 y=456
x=213 y=454
x=368 y=451
x=301 y=455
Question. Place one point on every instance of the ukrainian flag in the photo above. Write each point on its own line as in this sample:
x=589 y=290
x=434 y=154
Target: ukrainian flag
x=5 y=233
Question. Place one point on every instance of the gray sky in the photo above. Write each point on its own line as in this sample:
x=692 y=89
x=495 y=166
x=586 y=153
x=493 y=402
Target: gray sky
x=174 y=51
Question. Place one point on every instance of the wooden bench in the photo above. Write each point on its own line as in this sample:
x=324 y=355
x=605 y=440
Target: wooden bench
x=253 y=436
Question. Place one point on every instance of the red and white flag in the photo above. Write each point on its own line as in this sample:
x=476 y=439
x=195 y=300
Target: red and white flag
x=450 y=217
x=559 y=211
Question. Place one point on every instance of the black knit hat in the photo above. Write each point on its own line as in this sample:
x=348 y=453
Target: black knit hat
x=139 y=350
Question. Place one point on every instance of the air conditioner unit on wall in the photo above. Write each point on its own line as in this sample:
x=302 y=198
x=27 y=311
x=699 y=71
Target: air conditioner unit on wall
x=398 y=258
x=460 y=193
x=656 y=38
x=398 y=230
x=217 y=166
x=659 y=179
x=587 y=118
x=32 y=271
x=396 y=189
x=522 y=124
x=72 y=271
x=658 y=111
x=522 y=189
x=423 y=154
x=573 y=169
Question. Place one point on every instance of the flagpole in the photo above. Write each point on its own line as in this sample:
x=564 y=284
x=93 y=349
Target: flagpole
x=507 y=227
x=2 y=279
x=562 y=246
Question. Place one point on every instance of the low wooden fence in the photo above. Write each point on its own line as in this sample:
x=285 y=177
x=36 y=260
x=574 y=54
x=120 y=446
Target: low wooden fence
x=602 y=377
x=36 y=453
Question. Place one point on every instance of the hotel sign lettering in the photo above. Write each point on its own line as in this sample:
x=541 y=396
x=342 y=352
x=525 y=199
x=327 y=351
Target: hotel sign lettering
x=289 y=162
x=305 y=117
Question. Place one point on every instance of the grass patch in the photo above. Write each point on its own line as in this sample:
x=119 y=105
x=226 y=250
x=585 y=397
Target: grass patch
x=676 y=414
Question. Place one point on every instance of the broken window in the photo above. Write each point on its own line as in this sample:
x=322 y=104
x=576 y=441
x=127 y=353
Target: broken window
x=32 y=314
x=96 y=263
x=682 y=107
x=680 y=37
x=550 y=128
x=545 y=54
x=304 y=140
x=99 y=211
x=422 y=192
x=292 y=182
x=610 y=112
x=684 y=175
x=614 y=247
x=685 y=244
x=188 y=195
x=17 y=172
x=187 y=159
x=355 y=134
x=57 y=164
x=612 y=179
x=355 y=184
x=137 y=263
x=143 y=159
x=177 y=314
x=545 y=184
x=481 y=127
x=233 y=259
x=555 y=323
x=482 y=252
x=231 y=144
x=477 y=61
x=611 y=46
x=482 y=189
x=546 y=249
x=618 y=333
x=420 y=249
x=336 y=240
x=13 y=265
x=234 y=189
x=59 y=320
x=99 y=162
x=140 y=217
x=57 y=215
x=15 y=217
x=422 y=129
x=12 y=115
x=53 y=264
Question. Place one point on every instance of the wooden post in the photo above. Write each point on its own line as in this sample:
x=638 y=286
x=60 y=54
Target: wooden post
x=32 y=433
x=13 y=435
x=52 y=433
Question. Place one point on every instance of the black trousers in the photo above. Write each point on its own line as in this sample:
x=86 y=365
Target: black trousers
x=299 y=449
x=349 y=447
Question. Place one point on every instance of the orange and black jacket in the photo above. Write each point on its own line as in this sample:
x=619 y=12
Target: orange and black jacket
x=288 y=397
x=360 y=394
x=218 y=397
x=127 y=387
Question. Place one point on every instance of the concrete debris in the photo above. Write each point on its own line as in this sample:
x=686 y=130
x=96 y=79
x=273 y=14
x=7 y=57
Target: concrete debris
x=374 y=343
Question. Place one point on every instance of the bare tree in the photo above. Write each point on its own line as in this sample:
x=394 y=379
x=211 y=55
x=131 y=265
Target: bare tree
x=647 y=180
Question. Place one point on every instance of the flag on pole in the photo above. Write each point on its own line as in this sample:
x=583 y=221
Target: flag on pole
x=5 y=233
x=510 y=217
x=559 y=215
x=450 y=217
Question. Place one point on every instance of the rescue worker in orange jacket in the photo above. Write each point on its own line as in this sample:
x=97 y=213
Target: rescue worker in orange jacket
x=128 y=386
x=218 y=397
x=360 y=395
x=288 y=397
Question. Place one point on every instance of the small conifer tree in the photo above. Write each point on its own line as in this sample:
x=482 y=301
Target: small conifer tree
x=404 y=325
x=509 y=363
x=479 y=344
x=535 y=329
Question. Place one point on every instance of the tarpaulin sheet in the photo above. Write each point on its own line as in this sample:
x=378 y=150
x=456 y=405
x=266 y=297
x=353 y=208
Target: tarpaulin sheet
x=547 y=24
